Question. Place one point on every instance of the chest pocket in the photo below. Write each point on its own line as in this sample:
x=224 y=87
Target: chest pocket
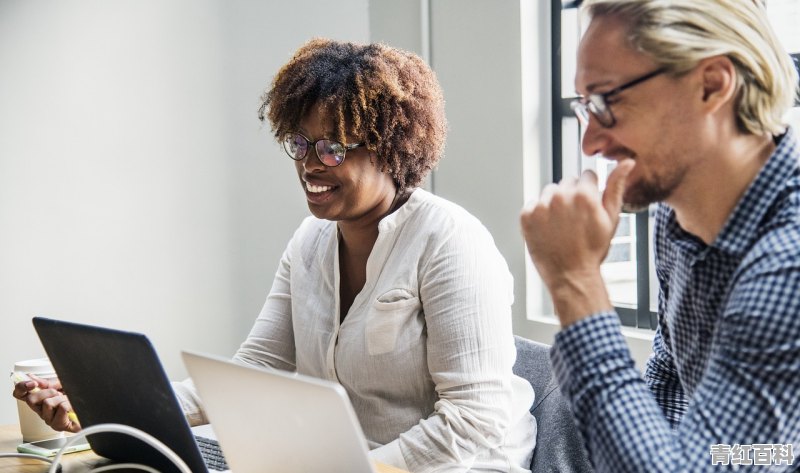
x=393 y=315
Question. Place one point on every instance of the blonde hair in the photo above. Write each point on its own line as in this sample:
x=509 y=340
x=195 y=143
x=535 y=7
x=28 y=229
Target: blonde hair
x=678 y=34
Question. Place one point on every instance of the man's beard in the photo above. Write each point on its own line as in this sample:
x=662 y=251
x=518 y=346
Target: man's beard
x=641 y=194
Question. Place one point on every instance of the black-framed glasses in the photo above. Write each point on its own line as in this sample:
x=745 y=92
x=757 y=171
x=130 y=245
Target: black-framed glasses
x=330 y=152
x=597 y=104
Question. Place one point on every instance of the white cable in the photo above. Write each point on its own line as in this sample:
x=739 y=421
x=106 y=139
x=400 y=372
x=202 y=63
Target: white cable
x=26 y=455
x=127 y=430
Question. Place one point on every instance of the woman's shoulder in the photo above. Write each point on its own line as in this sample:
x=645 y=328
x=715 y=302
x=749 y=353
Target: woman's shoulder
x=450 y=231
x=432 y=207
x=439 y=217
x=312 y=230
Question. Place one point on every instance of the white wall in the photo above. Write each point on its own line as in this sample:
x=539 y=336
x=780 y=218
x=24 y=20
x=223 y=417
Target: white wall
x=139 y=191
x=137 y=188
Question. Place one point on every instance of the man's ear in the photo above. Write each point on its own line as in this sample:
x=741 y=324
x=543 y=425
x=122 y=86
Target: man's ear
x=719 y=81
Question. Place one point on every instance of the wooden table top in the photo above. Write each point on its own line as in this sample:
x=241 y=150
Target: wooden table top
x=10 y=437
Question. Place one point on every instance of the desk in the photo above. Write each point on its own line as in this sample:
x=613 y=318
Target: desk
x=10 y=438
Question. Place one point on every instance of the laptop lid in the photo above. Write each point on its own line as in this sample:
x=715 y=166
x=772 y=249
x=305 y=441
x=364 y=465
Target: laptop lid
x=270 y=420
x=112 y=376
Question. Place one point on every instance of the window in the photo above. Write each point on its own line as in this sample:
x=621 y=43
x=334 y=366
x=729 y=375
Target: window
x=629 y=268
x=785 y=16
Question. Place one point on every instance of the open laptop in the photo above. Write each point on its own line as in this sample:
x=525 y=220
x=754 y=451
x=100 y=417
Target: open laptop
x=113 y=376
x=270 y=420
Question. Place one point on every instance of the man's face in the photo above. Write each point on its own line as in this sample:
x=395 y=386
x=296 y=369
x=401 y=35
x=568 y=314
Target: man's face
x=653 y=119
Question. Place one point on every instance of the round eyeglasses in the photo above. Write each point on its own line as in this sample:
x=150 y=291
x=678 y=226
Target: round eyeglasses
x=330 y=152
x=597 y=104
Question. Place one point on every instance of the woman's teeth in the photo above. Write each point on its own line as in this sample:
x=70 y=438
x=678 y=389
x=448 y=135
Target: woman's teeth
x=317 y=189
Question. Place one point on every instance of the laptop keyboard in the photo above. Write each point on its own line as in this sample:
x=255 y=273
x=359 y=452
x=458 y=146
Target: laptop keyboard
x=211 y=453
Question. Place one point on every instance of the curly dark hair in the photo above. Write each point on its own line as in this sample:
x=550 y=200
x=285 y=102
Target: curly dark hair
x=388 y=97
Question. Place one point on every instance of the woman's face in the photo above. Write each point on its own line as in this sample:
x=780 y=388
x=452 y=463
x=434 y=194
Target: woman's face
x=355 y=191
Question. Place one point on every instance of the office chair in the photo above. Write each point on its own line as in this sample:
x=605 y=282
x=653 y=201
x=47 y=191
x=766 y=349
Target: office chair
x=559 y=446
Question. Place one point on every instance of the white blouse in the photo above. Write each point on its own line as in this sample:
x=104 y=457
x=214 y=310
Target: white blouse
x=426 y=349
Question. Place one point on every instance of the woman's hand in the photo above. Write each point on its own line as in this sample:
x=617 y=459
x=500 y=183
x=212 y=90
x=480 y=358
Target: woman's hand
x=48 y=401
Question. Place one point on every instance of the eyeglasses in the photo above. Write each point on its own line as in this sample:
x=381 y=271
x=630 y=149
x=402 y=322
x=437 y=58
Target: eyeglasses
x=597 y=104
x=330 y=153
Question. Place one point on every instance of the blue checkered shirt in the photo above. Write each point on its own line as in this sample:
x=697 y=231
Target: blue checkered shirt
x=726 y=364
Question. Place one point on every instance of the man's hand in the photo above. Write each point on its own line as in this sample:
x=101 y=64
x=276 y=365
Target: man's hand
x=568 y=233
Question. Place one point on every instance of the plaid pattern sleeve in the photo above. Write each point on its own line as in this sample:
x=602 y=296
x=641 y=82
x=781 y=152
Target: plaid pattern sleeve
x=662 y=379
x=621 y=424
x=625 y=429
x=725 y=374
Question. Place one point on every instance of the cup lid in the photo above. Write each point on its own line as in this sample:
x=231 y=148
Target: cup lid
x=37 y=366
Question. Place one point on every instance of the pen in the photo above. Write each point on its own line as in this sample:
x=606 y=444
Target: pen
x=18 y=377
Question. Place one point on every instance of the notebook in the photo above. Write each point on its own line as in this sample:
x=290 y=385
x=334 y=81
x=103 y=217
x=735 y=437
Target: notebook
x=270 y=420
x=112 y=376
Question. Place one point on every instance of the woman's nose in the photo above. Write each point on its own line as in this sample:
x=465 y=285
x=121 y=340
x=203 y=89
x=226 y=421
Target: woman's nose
x=311 y=161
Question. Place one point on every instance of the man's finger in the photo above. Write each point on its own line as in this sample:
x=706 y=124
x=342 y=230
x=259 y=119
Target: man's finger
x=547 y=193
x=615 y=187
x=589 y=176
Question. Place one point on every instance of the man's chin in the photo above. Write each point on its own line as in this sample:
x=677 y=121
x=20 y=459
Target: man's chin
x=632 y=208
x=637 y=198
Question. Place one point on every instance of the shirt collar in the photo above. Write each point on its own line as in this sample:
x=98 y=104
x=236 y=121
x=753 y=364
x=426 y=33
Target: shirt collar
x=741 y=228
x=399 y=216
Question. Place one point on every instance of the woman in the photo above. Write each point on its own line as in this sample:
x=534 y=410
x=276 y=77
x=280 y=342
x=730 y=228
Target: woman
x=397 y=294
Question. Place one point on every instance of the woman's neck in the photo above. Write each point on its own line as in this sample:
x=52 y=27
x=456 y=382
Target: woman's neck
x=359 y=236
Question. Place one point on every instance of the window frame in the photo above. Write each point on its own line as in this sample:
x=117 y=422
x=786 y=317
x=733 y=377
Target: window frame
x=639 y=316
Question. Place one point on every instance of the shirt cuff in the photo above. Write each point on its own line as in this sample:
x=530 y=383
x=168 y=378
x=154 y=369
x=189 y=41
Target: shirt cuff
x=390 y=454
x=190 y=402
x=589 y=348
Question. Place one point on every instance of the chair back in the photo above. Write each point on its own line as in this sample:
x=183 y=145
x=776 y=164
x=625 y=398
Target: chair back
x=559 y=446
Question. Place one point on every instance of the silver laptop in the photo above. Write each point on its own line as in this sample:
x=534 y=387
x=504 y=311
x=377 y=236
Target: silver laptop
x=270 y=420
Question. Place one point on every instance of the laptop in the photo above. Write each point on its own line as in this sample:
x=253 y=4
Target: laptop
x=112 y=376
x=271 y=420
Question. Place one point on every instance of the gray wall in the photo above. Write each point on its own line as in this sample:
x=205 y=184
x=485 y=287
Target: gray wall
x=490 y=57
x=137 y=188
x=476 y=56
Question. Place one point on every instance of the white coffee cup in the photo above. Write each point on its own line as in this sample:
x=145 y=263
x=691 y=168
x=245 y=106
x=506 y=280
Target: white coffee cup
x=33 y=428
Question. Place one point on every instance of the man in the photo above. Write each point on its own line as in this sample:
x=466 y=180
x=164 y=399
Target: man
x=688 y=97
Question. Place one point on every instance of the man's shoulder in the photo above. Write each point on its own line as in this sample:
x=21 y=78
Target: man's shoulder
x=779 y=231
